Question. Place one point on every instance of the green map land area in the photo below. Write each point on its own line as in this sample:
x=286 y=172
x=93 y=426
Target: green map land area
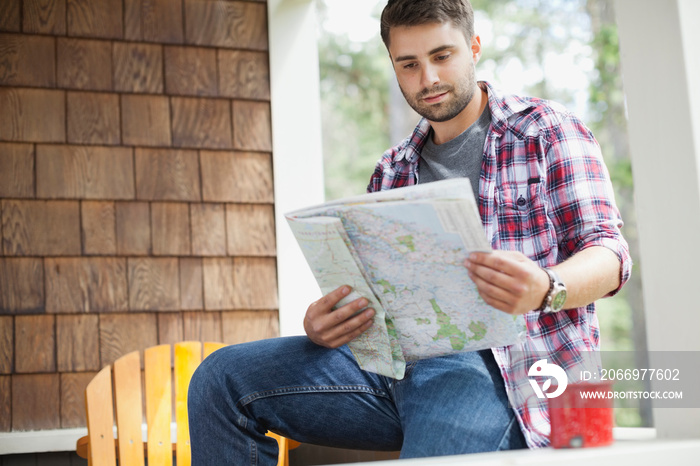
x=458 y=339
x=447 y=329
x=388 y=287
x=407 y=240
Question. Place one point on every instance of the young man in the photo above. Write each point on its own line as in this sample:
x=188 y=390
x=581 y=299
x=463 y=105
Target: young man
x=547 y=207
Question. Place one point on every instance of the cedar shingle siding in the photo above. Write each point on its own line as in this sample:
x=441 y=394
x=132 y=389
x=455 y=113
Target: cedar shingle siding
x=136 y=198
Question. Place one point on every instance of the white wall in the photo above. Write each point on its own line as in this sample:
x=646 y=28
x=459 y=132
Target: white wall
x=661 y=73
x=296 y=145
x=689 y=14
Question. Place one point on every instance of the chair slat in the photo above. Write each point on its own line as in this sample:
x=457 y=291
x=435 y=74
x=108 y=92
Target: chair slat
x=282 y=443
x=188 y=355
x=158 y=404
x=210 y=347
x=101 y=450
x=128 y=400
x=100 y=419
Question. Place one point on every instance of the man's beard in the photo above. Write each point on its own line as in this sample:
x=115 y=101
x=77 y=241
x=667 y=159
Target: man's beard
x=462 y=94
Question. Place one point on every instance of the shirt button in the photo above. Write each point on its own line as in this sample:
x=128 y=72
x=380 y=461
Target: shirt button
x=521 y=201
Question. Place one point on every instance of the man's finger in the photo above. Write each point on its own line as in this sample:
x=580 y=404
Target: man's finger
x=343 y=313
x=331 y=335
x=493 y=265
x=344 y=338
x=327 y=302
x=324 y=325
x=350 y=326
x=484 y=276
x=348 y=337
x=500 y=305
x=510 y=262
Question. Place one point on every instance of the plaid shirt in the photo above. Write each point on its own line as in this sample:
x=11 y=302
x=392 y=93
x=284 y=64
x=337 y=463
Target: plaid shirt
x=544 y=190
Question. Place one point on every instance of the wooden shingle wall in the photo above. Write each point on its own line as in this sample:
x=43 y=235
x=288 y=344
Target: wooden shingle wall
x=136 y=196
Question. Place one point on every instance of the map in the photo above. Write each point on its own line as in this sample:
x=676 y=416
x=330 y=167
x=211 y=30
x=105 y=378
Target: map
x=403 y=250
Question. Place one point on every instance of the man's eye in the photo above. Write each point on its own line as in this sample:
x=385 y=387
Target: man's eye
x=408 y=66
x=443 y=57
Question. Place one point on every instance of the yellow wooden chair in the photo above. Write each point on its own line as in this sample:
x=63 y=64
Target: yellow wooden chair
x=102 y=447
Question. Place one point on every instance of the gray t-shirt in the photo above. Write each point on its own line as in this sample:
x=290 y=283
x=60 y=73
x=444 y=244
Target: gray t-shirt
x=460 y=157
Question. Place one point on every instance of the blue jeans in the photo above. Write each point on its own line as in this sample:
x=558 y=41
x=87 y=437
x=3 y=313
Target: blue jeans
x=444 y=406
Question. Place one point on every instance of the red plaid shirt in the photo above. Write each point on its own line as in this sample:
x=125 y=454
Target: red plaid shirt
x=544 y=190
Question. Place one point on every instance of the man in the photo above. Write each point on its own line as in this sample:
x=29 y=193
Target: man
x=547 y=207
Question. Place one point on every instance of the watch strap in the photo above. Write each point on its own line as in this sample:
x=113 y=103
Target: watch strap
x=549 y=296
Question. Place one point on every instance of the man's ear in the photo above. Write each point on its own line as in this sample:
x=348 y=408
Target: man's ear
x=476 y=48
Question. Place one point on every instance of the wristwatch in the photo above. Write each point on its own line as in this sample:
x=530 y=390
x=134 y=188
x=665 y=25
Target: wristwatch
x=556 y=296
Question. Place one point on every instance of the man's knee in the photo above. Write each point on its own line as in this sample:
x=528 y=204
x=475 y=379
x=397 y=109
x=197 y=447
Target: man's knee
x=201 y=382
x=208 y=381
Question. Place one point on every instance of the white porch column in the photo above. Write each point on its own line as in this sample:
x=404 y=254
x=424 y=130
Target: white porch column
x=296 y=143
x=661 y=72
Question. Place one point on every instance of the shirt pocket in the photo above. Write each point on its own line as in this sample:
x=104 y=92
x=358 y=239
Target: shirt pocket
x=524 y=224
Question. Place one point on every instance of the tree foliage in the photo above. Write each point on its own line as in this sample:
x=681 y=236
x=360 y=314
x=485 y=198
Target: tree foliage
x=527 y=37
x=354 y=99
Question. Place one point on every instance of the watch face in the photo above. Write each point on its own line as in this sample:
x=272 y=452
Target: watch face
x=559 y=300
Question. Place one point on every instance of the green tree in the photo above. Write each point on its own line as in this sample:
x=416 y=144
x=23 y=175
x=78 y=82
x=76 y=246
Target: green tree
x=532 y=33
x=354 y=105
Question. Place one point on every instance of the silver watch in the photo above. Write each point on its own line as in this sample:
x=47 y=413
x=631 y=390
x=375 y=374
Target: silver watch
x=556 y=296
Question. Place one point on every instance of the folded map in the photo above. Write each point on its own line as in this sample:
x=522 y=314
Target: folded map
x=404 y=251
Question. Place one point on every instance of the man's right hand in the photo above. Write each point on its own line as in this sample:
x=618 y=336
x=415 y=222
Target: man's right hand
x=334 y=328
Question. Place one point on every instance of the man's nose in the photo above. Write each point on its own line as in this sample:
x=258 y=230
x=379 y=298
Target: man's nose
x=429 y=77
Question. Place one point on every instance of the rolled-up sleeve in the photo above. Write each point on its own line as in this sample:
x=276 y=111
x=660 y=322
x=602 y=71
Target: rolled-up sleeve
x=580 y=192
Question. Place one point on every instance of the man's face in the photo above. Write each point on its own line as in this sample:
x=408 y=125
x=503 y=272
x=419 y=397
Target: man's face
x=434 y=66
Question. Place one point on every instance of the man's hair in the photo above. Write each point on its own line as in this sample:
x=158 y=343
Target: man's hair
x=419 y=12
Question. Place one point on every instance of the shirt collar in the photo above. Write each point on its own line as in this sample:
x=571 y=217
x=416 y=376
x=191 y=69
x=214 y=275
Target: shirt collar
x=502 y=108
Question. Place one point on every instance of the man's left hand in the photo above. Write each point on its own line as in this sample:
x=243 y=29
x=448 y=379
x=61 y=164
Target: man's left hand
x=508 y=280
